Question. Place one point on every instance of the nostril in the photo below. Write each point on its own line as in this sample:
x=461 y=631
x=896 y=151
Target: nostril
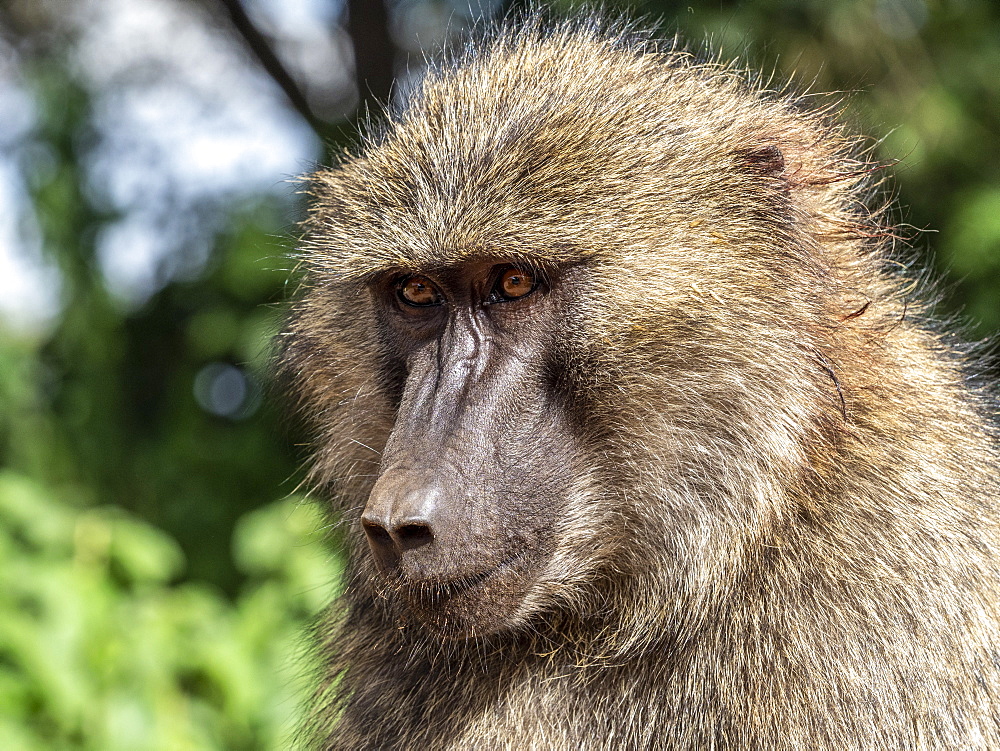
x=378 y=534
x=374 y=529
x=413 y=535
x=382 y=545
x=406 y=536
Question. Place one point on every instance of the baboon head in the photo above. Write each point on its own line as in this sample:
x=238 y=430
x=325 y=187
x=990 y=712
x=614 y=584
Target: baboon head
x=555 y=314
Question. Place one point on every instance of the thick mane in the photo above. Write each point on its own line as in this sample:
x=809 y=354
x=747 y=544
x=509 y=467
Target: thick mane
x=753 y=488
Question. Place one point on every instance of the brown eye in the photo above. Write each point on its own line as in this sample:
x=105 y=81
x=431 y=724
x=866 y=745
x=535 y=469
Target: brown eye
x=418 y=291
x=513 y=283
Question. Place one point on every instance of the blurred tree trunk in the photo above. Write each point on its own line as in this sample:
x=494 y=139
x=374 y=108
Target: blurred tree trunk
x=374 y=58
x=374 y=51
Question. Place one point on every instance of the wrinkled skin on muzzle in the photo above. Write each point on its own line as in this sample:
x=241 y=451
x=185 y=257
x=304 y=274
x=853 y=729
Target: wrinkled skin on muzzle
x=478 y=462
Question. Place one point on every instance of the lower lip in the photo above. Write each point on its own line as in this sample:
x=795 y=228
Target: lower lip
x=442 y=592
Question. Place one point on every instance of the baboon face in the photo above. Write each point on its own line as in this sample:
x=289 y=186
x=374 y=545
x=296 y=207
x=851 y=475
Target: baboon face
x=474 y=473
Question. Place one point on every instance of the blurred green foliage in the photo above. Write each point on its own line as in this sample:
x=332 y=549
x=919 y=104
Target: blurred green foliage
x=157 y=574
x=103 y=647
x=154 y=586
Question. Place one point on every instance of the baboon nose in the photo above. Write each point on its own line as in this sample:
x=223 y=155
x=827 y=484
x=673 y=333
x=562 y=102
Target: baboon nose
x=389 y=540
x=397 y=520
x=404 y=535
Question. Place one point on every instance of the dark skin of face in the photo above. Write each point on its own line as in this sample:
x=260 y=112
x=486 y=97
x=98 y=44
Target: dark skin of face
x=461 y=519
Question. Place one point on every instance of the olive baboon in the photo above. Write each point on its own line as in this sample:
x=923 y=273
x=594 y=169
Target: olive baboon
x=639 y=434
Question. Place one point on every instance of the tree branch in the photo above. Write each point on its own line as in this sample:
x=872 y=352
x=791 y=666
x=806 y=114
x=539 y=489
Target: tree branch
x=261 y=48
x=368 y=25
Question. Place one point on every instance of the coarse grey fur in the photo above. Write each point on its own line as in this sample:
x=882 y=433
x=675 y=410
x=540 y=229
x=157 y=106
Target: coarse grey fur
x=717 y=482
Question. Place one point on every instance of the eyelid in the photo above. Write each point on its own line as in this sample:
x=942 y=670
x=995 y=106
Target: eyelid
x=496 y=296
x=400 y=285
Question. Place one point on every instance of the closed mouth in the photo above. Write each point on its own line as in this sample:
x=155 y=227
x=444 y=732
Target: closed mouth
x=431 y=593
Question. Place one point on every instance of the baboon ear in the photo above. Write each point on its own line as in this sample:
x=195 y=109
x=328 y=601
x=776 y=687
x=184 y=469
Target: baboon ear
x=766 y=160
